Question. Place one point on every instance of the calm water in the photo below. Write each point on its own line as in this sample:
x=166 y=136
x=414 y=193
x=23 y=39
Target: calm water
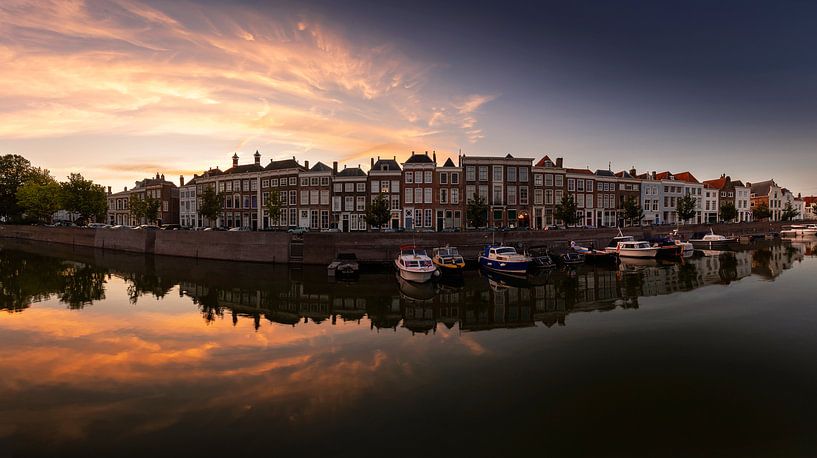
x=109 y=354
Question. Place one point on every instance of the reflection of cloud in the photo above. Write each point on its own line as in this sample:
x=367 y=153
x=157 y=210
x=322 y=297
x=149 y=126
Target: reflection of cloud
x=84 y=67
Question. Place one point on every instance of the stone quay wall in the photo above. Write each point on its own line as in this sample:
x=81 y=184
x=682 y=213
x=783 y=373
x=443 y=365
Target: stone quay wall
x=322 y=247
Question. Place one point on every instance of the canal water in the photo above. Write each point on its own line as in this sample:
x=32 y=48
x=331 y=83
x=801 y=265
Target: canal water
x=114 y=354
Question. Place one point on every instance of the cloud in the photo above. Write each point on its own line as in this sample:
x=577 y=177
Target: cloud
x=87 y=68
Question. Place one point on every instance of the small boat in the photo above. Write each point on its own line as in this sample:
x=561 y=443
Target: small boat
x=799 y=230
x=688 y=248
x=540 y=258
x=592 y=255
x=448 y=260
x=414 y=264
x=626 y=246
x=345 y=265
x=704 y=241
x=667 y=248
x=504 y=260
x=568 y=258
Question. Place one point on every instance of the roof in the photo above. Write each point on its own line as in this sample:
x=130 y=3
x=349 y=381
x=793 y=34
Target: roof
x=624 y=174
x=284 y=164
x=762 y=188
x=545 y=162
x=389 y=165
x=320 y=167
x=738 y=184
x=810 y=200
x=246 y=168
x=605 y=173
x=449 y=163
x=720 y=183
x=663 y=176
x=582 y=171
x=419 y=159
x=687 y=177
x=212 y=172
x=352 y=172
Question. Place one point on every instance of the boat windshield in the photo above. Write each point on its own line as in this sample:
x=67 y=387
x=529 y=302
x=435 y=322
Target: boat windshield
x=413 y=264
x=448 y=252
x=505 y=250
x=413 y=252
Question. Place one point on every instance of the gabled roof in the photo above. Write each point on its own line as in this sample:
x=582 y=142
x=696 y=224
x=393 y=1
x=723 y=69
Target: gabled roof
x=545 y=162
x=352 y=172
x=624 y=174
x=246 y=168
x=449 y=163
x=605 y=173
x=212 y=172
x=720 y=183
x=419 y=159
x=390 y=165
x=810 y=200
x=687 y=177
x=738 y=184
x=284 y=164
x=762 y=188
x=663 y=176
x=320 y=167
x=581 y=171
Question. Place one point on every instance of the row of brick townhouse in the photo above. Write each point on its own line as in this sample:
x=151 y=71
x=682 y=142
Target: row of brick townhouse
x=158 y=188
x=423 y=194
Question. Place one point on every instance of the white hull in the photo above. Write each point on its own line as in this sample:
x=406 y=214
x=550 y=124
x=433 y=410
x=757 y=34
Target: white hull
x=798 y=233
x=640 y=253
x=415 y=276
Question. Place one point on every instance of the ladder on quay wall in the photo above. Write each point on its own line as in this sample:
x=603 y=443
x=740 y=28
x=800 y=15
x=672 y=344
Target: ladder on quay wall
x=296 y=249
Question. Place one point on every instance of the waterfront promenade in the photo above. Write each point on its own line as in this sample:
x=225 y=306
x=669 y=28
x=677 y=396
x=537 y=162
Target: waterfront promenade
x=322 y=247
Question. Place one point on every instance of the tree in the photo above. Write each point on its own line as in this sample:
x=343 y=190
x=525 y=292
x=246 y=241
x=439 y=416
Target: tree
x=212 y=203
x=14 y=170
x=39 y=200
x=136 y=207
x=728 y=212
x=686 y=208
x=566 y=211
x=152 y=206
x=377 y=212
x=273 y=206
x=789 y=212
x=633 y=211
x=761 y=212
x=83 y=197
x=476 y=211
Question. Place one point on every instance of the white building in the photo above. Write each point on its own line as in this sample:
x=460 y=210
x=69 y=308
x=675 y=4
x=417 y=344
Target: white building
x=188 y=208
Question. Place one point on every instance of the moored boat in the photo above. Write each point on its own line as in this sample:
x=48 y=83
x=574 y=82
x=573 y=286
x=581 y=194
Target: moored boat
x=344 y=265
x=667 y=248
x=448 y=260
x=504 y=260
x=592 y=255
x=414 y=264
x=627 y=246
x=704 y=241
x=540 y=258
x=799 y=230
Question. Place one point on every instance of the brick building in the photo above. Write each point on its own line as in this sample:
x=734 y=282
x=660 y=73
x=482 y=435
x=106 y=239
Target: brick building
x=505 y=183
x=158 y=188
x=386 y=176
x=549 y=186
x=418 y=190
x=349 y=195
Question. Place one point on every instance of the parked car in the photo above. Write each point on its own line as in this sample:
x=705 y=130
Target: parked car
x=121 y=226
x=298 y=230
x=64 y=224
x=171 y=227
x=240 y=229
x=331 y=229
x=97 y=225
x=148 y=227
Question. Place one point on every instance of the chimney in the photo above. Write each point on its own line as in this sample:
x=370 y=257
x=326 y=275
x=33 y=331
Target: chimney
x=306 y=165
x=181 y=180
x=257 y=156
x=435 y=157
x=653 y=174
x=334 y=166
x=163 y=177
x=235 y=159
x=109 y=190
x=633 y=173
x=559 y=162
x=126 y=188
x=372 y=163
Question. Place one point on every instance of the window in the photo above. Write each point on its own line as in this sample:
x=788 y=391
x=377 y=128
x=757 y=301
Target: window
x=483 y=192
x=229 y=186
x=314 y=182
x=314 y=197
x=336 y=200
x=523 y=174
x=538 y=198
x=164 y=205
x=601 y=186
x=264 y=198
x=348 y=187
x=559 y=195
x=283 y=197
x=443 y=195
x=254 y=185
x=559 y=181
x=384 y=187
x=418 y=195
x=338 y=187
x=511 y=173
x=375 y=186
x=580 y=186
x=455 y=178
x=429 y=176
x=360 y=203
x=409 y=196
x=443 y=178
x=511 y=195
x=254 y=201
x=483 y=173
x=324 y=197
x=523 y=195
x=428 y=220
x=429 y=195
x=265 y=183
x=395 y=201
x=497 y=173
x=571 y=184
x=304 y=197
x=324 y=219
x=409 y=177
x=455 y=196
x=580 y=200
x=293 y=197
x=589 y=201
x=537 y=179
x=470 y=173
x=324 y=181
x=292 y=182
x=246 y=201
x=418 y=176
x=497 y=195
x=348 y=203
x=470 y=190
x=304 y=181
x=395 y=186
x=360 y=187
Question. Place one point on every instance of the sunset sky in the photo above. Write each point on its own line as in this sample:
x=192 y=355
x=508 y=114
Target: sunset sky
x=119 y=90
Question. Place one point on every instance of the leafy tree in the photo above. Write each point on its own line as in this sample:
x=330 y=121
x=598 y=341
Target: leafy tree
x=686 y=208
x=84 y=197
x=633 y=211
x=566 y=211
x=476 y=211
x=14 y=171
x=273 y=206
x=761 y=211
x=40 y=200
x=789 y=212
x=212 y=204
x=137 y=207
x=377 y=212
x=728 y=212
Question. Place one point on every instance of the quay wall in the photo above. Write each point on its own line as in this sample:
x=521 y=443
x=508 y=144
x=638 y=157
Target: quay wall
x=322 y=247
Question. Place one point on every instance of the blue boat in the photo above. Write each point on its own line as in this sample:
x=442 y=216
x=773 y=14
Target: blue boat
x=504 y=260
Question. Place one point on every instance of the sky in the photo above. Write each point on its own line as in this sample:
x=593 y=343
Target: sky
x=122 y=89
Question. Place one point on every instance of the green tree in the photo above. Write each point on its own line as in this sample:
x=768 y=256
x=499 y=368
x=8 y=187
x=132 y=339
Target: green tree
x=14 y=171
x=567 y=210
x=273 y=206
x=137 y=207
x=40 y=200
x=377 y=212
x=761 y=211
x=84 y=197
x=476 y=211
x=212 y=204
x=789 y=212
x=728 y=212
x=152 y=206
x=633 y=211
x=686 y=208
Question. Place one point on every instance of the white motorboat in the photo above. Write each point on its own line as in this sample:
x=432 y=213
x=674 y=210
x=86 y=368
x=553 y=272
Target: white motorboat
x=799 y=230
x=504 y=260
x=414 y=264
x=627 y=246
x=712 y=240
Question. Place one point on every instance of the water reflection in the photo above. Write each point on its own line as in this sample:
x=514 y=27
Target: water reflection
x=274 y=294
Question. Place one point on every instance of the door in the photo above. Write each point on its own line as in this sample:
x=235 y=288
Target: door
x=440 y=220
x=345 y=222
